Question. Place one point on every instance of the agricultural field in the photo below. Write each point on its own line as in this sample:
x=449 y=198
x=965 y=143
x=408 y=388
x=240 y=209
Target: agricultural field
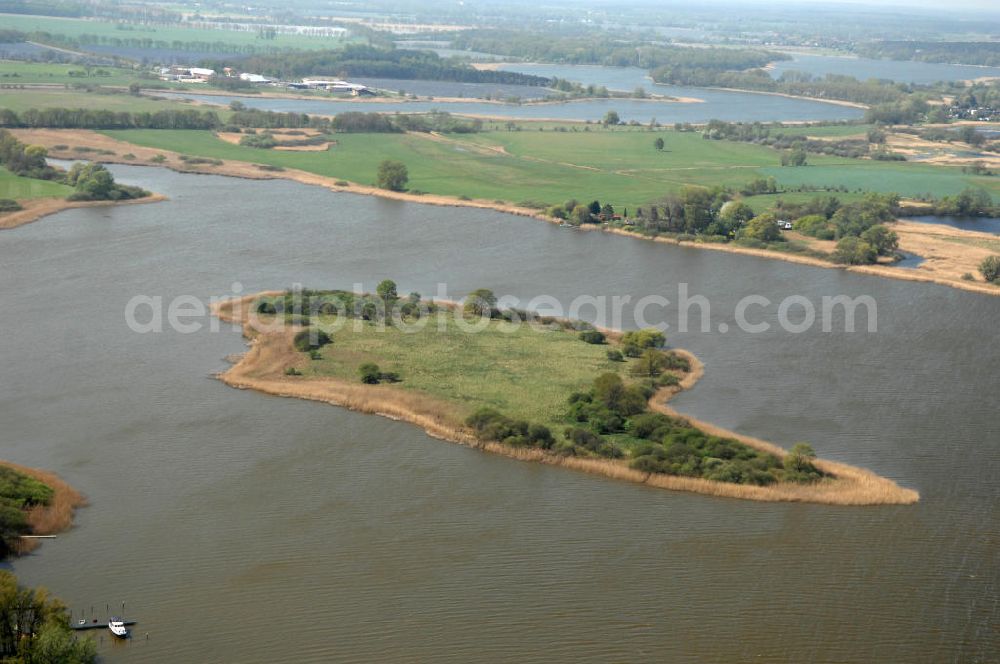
x=75 y=27
x=111 y=100
x=621 y=166
x=19 y=188
x=13 y=72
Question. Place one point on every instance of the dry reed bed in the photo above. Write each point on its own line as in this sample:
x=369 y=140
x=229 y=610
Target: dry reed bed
x=262 y=369
x=54 y=517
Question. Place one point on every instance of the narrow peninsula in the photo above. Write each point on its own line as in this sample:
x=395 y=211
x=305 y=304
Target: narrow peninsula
x=569 y=394
x=33 y=502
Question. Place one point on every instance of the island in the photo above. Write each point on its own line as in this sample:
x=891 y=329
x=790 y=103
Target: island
x=568 y=394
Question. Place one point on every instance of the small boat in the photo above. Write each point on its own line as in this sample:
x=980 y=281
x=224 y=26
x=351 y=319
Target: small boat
x=117 y=627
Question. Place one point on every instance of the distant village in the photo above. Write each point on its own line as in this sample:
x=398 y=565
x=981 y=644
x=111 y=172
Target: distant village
x=978 y=113
x=182 y=74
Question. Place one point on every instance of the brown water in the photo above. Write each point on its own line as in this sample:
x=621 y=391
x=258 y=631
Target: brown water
x=246 y=528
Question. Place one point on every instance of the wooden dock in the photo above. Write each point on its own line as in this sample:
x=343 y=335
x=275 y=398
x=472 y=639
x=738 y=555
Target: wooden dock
x=95 y=623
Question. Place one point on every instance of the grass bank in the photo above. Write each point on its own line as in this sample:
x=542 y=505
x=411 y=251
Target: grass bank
x=446 y=374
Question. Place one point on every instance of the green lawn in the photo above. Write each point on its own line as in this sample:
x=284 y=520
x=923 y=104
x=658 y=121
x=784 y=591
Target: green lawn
x=621 y=167
x=18 y=188
x=536 y=371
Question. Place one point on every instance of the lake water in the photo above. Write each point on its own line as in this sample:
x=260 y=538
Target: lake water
x=894 y=70
x=244 y=527
x=455 y=88
x=982 y=224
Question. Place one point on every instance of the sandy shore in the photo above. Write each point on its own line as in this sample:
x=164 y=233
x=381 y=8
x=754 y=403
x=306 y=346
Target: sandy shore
x=36 y=208
x=262 y=369
x=949 y=253
x=54 y=518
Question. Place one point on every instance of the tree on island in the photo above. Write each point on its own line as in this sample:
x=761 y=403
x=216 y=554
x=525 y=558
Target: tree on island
x=650 y=364
x=387 y=291
x=480 y=302
x=990 y=269
x=800 y=458
x=611 y=118
x=370 y=373
x=392 y=175
x=636 y=341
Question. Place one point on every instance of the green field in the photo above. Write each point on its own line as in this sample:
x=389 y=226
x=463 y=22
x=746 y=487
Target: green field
x=74 y=27
x=620 y=167
x=826 y=131
x=539 y=369
x=18 y=188
x=13 y=72
x=21 y=100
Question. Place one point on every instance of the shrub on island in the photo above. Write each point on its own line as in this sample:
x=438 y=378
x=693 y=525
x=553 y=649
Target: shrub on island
x=371 y=374
x=311 y=339
x=490 y=425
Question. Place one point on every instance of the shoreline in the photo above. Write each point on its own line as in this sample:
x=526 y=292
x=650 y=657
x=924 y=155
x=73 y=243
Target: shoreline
x=37 y=208
x=852 y=486
x=494 y=66
x=247 y=170
x=48 y=519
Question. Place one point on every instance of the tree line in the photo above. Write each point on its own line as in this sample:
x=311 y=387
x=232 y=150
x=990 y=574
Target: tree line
x=85 y=40
x=772 y=135
x=361 y=60
x=85 y=118
x=600 y=49
x=830 y=86
x=34 y=627
x=967 y=53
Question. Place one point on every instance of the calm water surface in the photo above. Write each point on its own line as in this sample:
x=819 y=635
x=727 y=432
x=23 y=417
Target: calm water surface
x=717 y=104
x=982 y=224
x=243 y=527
